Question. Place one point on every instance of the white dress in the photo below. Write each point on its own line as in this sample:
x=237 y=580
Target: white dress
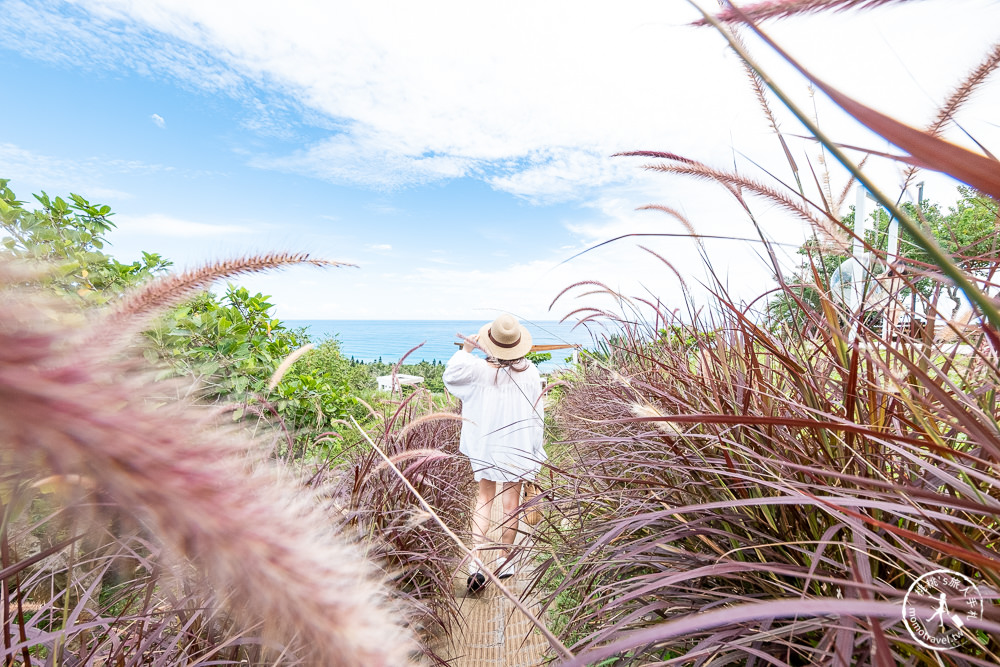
x=503 y=429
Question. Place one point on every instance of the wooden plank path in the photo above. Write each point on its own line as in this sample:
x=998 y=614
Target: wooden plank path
x=492 y=631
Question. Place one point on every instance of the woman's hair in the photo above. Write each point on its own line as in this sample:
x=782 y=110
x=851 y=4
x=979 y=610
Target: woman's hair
x=517 y=365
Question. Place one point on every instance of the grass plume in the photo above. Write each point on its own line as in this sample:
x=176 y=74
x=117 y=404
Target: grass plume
x=780 y=9
x=965 y=90
x=141 y=305
x=821 y=220
x=75 y=409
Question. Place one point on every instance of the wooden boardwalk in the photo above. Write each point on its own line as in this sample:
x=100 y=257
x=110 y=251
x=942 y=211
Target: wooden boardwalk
x=492 y=631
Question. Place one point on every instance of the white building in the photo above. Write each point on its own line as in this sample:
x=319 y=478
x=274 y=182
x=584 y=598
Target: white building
x=385 y=381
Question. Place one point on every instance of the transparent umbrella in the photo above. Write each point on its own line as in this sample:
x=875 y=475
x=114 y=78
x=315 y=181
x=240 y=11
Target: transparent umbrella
x=854 y=284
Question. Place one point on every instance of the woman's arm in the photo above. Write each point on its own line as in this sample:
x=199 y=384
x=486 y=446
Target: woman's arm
x=470 y=343
x=460 y=371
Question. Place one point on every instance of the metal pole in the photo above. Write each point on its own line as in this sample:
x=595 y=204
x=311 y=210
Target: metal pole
x=913 y=290
x=859 y=274
x=860 y=222
x=892 y=248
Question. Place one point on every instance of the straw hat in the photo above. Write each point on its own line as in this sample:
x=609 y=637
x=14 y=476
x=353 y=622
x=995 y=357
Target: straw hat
x=505 y=338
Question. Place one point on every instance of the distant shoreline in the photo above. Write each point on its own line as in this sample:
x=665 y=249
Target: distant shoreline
x=389 y=340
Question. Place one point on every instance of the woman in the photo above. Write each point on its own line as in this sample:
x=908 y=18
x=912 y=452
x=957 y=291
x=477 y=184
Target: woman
x=503 y=427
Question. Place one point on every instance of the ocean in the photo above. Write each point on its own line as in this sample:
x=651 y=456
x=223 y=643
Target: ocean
x=388 y=340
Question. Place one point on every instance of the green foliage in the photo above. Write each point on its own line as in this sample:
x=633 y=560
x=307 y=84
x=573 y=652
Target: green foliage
x=967 y=232
x=326 y=359
x=606 y=348
x=538 y=357
x=235 y=339
x=70 y=236
x=687 y=337
x=318 y=396
x=785 y=310
x=367 y=372
x=235 y=344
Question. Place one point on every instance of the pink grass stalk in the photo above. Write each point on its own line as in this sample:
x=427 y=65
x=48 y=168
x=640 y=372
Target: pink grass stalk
x=962 y=93
x=254 y=536
x=138 y=308
x=760 y=92
x=965 y=90
x=825 y=224
x=779 y=9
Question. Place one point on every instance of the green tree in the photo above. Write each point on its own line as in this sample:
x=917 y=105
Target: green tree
x=234 y=345
x=326 y=358
x=538 y=357
x=69 y=237
x=968 y=231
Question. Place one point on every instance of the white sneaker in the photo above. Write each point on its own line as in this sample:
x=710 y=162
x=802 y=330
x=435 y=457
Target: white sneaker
x=508 y=569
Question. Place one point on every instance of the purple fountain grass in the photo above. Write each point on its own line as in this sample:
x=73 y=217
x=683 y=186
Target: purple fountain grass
x=805 y=481
x=760 y=92
x=657 y=154
x=672 y=212
x=978 y=171
x=784 y=453
x=75 y=409
x=777 y=9
x=420 y=558
x=142 y=305
x=821 y=220
x=782 y=608
x=740 y=182
x=975 y=79
x=74 y=619
x=775 y=471
x=958 y=98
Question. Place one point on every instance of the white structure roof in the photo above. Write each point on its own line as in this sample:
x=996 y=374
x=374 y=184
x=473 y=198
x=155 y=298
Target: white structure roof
x=385 y=381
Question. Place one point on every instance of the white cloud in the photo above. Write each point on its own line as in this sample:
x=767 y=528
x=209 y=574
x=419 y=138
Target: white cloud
x=561 y=174
x=383 y=209
x=158 y=121
x=531 y=99
x=154 y=225
x=88 y=176
x=445 y=100
x=95 y=37
x=366 y=159
x=380 y=247
x=425 y=287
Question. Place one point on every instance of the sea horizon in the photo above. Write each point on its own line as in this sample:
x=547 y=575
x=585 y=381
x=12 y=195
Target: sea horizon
x=388 y=340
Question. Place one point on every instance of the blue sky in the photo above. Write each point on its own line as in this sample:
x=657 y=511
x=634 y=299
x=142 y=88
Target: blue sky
x=456 y=152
